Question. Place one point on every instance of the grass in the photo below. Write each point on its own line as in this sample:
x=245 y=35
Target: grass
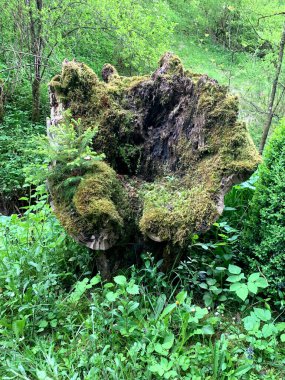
x=247 y=76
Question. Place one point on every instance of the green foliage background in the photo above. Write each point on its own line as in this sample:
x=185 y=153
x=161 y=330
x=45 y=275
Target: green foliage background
x=264 y=234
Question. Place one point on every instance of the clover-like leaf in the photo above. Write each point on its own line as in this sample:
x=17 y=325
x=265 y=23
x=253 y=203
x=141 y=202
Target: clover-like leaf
x=120 y=280
x=234 y=269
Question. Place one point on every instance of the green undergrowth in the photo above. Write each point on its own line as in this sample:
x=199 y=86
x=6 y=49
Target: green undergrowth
x=264 y=227
x=17 y=150
x=204 y=320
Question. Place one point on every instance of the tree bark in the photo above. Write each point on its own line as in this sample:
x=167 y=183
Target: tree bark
x=103 y=265
x=36 y=100
x=37 y=50
x=273 y=93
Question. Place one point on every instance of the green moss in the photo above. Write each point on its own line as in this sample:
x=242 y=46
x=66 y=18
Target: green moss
x=132 y=115
x=171 y=64
x=109 y=72
x=173 y=212
x=99 y=198
x=76 y=76
x=99 y=202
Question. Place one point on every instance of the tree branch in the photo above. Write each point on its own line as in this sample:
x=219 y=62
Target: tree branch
x=274 y=14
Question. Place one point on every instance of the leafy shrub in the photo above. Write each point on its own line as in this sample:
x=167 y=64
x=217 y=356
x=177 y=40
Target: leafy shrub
x=264 y=234
x=37 y=261
x=142 y=325
x=17 y=149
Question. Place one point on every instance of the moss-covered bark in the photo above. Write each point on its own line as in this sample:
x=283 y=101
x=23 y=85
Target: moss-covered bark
x=173 y=148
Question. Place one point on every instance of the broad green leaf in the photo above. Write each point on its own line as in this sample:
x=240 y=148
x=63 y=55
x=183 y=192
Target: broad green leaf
x=262 y=314
x=261 y=282
x=159 y=305
x=208 y=299
x=280 y=326
x=242 y=292
x=269 y=330
x=132 y=306
x=157 y=368
x=108 y=285
x=168 y=341
x=43 y=323
x=253 y=277
x=18 y=327
x=168 y=310
x=181 y=296
x=159 y=349
x=171 y=374
x=242 y=370
x=200 y=313
x=95 y=280
x=234 y=287
x=79 y=290
x=211 y=281
x=215 y=290
x=133 y=289
x=252 y=287
x=235 y=278
x=240 y=289
x=208 y=330
x=282 y=338
x=120 y=280
x=53 y=323
x=111 y=296
x=234 y=269
x=251 y=322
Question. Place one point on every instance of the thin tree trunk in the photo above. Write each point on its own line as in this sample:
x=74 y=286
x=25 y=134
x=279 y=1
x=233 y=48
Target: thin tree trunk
x=37 y=49
x=36 y=100
x=103 y=265
x=273 y=93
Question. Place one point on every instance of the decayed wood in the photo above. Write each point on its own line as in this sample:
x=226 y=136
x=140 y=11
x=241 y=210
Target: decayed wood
x=172 y=138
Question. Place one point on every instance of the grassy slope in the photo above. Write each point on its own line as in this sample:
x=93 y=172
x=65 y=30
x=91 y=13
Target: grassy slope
x=245 y=75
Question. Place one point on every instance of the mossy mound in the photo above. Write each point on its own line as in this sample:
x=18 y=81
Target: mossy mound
x=173 y=147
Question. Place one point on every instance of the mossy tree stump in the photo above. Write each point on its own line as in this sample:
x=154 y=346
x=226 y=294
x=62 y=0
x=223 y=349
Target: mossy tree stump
x=173 y=147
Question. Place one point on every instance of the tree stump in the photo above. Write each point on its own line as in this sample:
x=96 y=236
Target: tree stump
x=173 y=146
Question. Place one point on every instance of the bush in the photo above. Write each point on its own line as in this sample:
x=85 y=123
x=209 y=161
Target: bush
x=17 y=150
x=264 y=232
x=37 y=262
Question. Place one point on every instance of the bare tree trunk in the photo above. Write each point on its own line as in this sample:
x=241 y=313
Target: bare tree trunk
x=273 y=92
x=36 y=100
x=37 y=50
x=103 y=265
